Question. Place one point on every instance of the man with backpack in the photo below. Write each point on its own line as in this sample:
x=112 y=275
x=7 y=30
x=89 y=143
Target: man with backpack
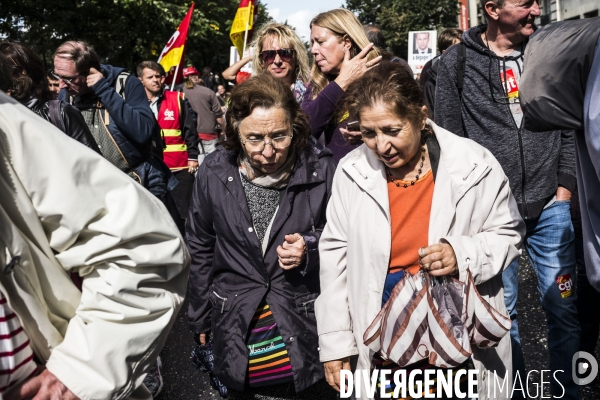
x=477 y=96
x=116 y=110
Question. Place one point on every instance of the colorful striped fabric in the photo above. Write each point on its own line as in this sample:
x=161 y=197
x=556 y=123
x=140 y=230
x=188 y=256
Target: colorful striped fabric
x=268 y=361
x=16 y=356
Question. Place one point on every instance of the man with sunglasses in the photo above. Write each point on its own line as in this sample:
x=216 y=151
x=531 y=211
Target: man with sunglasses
x=477 y=96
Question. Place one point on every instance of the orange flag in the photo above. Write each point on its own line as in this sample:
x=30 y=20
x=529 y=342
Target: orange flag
x=171 y=58
x=244 y=20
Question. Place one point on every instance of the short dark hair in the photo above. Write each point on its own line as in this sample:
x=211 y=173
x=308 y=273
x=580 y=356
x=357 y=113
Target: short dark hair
x=266 y=92
x=83 y=55
x=152 y=65
x=375 y=35
x=447 y=37
x=6 y=82
x=29 y=75
x=391 y=84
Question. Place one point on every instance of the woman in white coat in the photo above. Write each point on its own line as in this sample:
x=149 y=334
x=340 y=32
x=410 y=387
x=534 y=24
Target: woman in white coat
x=413 y=197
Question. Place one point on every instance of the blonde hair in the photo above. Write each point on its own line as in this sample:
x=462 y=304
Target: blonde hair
x=340 y=22
x=287 y=38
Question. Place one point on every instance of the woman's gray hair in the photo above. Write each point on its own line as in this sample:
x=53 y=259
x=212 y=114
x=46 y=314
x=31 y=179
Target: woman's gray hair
x=264 y=91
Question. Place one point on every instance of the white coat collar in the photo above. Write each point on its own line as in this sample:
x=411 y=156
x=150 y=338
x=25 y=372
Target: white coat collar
x=461 y=166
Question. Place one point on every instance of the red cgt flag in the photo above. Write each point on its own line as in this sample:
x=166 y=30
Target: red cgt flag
x=172 y=55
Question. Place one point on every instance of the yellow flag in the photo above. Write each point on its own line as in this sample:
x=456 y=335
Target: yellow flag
x=244 y=20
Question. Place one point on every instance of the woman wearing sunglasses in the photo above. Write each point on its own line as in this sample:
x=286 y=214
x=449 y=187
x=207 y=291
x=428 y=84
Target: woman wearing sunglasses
x=342 y=54
x=257 y=213
x=280 y=53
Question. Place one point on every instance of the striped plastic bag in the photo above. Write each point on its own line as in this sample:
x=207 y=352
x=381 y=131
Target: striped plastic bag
x=435 y=319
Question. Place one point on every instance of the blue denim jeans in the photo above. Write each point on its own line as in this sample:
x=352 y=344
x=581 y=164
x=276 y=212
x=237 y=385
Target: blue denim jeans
x=550 y=246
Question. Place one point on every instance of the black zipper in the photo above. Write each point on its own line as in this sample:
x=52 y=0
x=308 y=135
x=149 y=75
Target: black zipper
x=521 y=152
x=525 y=213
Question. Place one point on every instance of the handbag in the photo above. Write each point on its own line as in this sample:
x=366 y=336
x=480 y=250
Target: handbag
x=435 y=318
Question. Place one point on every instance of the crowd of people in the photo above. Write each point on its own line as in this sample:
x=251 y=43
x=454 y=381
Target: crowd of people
x=288 y=210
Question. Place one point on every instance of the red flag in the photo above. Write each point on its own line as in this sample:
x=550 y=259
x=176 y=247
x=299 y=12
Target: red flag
x=172 y=55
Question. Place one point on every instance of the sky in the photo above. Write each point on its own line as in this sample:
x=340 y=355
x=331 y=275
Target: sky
x=298 y=13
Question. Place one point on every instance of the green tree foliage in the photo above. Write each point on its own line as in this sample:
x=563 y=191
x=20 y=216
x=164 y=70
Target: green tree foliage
x=123 y=32
x=397 y=17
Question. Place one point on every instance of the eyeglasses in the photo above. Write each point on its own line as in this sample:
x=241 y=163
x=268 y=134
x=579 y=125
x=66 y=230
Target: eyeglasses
x=258 y=145
x=68 y=81
x=268 y=56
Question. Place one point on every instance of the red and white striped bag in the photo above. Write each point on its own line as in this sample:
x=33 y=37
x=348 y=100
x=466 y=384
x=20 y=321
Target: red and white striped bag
x=436 y=319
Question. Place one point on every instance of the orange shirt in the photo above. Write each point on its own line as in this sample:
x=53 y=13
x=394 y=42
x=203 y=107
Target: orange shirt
x=410 y=209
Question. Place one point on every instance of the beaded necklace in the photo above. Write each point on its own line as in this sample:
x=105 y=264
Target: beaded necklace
x=412 y=183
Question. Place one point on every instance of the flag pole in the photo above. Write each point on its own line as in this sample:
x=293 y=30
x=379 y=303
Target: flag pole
x=250 y=15
x=245 y=39
x=175 y=76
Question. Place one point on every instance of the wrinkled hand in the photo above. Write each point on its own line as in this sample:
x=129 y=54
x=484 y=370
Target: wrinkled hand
x=332 y=372
x=354 y=68
x=351 y=137
x=563 y=194
x=292 y=252
x=45 y=386
x=192 y=166
x=94 y=77
x=438 y=259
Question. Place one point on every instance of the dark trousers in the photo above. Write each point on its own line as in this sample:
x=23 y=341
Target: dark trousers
x=587 y=304
x=182 y=194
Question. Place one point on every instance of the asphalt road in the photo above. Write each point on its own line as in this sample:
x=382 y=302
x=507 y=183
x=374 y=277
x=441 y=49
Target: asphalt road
x=183 y=382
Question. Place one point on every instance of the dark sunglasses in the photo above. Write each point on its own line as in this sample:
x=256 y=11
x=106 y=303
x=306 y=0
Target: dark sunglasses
x=268 y=56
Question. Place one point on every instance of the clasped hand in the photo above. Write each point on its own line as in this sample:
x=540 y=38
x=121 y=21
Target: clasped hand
x=438 y=259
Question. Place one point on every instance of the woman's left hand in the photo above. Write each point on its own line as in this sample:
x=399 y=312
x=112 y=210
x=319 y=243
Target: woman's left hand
x=292 y=252
x=438 y=259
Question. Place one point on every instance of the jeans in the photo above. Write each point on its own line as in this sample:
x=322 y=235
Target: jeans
x=206 y=147
x=549 y=242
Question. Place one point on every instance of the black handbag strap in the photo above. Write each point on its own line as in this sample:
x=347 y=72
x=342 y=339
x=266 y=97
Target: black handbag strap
x=54 y=113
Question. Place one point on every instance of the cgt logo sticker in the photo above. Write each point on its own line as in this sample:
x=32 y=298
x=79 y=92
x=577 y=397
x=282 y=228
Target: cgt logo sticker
x=565 y=285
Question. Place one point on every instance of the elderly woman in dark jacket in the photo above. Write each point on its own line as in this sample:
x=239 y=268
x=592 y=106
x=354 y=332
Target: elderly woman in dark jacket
x=257 y=213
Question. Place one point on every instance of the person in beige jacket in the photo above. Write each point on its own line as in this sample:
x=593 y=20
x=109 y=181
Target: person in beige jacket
x=65 y=210
x=473 y=222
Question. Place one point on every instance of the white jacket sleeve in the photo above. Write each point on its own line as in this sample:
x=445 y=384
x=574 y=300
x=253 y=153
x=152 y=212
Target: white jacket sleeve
x=496 y=245
x=334 y=323
x=121 y=239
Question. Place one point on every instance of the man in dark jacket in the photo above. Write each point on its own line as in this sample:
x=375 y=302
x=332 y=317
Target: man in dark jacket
x=540 y=167
x=561 y=89
x=177 y=122
x=111 y=103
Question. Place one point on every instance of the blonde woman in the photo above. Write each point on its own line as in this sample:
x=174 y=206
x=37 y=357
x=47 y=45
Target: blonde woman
x=342 y=54
x=280 y=53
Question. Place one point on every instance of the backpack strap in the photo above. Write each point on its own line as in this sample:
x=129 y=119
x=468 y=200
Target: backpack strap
x=461 y=61
x=54 y=113
x=121 y=82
